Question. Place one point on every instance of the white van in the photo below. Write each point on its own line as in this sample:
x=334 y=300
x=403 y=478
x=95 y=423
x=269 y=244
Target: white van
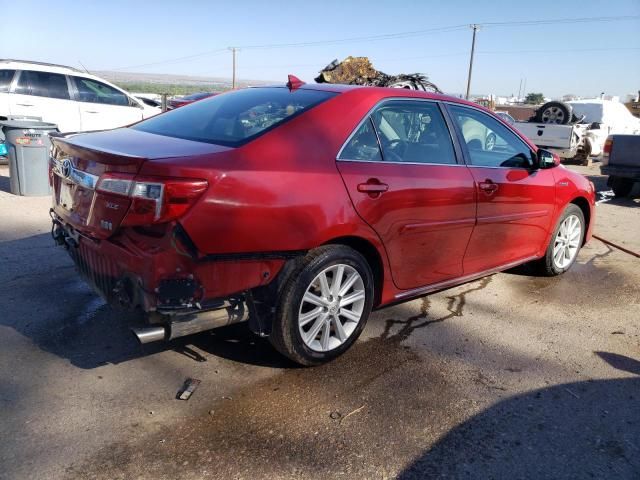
x=74 y=100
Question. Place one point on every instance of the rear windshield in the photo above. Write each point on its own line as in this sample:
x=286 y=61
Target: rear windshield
x=234 y=118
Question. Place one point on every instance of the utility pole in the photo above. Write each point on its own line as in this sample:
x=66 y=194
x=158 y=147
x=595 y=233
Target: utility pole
x=475 y=28
x=520 y=89
x=233 y=77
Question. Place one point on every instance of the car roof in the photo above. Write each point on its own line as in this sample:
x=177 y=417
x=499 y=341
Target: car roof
x=380 y=93
x=37 y=66
x=52 y=68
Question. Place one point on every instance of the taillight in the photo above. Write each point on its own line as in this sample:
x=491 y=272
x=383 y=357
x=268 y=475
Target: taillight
x=606 y=151
x=153 y=199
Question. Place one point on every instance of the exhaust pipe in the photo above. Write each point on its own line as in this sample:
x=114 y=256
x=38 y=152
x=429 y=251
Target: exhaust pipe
x=188 y=324
x=150 y=334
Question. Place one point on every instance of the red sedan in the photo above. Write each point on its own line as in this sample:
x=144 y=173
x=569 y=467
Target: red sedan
x=302 y=208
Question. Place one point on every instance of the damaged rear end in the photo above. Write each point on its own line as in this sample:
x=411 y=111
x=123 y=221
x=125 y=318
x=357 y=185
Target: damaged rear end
x=121 y=226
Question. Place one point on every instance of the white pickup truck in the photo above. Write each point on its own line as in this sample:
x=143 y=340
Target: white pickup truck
x=577 y=130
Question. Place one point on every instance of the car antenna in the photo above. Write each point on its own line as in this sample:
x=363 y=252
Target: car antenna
x=85 y=68
x=294 y=82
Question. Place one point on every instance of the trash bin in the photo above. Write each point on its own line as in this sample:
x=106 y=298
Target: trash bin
x=4 y=149
x=28 y=146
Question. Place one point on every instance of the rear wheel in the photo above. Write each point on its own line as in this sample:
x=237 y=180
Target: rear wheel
x=565 y=242
x=324 y=305
x=621 y=186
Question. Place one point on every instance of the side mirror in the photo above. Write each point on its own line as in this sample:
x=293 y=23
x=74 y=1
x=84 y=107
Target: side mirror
x=546 y=159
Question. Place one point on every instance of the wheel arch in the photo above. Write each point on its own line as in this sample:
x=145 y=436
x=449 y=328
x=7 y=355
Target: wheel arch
x=583 y=204
x=371 y=255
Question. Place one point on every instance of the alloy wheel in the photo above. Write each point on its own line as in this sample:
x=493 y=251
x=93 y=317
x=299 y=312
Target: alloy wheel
x=553 y=115
x=567 y=242
x=331 y=308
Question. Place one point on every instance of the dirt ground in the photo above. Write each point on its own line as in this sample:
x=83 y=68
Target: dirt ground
x=510 y=376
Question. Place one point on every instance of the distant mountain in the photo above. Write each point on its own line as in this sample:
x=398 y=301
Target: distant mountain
x=209 y=83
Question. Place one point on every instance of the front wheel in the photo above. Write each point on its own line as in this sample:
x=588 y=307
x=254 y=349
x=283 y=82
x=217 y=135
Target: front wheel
x=323 y=306
x=565 y=243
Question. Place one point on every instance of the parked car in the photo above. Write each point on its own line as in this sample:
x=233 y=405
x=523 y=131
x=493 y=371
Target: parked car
x=505 y=117
x=149 y=102
x=186 y=100
x=577 y=130
x=304 y=208
x=621 y=161
x=74 y=100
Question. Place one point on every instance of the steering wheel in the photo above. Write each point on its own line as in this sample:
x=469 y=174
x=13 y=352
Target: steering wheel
x=396 y=149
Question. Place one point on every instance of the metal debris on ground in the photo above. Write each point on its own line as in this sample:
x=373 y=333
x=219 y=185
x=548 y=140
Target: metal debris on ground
x=605 y=196
x=360 y=71
x=188 y=388
x=351 y=413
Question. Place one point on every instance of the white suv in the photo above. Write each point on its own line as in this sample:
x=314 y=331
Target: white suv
x=74 y=100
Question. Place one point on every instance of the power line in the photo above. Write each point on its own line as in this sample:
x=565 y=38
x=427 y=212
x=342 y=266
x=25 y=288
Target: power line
x=172 y=60
x=390 y=36
x=516 y=23
x=453 y=54
x=371 y=38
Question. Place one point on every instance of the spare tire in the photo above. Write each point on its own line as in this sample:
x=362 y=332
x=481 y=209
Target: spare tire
x=554 y=112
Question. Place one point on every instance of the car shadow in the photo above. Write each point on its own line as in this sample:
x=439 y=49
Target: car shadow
x=588 y=429
x=604 y=192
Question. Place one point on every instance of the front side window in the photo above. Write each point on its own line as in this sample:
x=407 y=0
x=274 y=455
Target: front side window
x=6 y=76
x=413 y=132
x=490 y=143
x=43 y=84
x=234 y=118
x=93 y=91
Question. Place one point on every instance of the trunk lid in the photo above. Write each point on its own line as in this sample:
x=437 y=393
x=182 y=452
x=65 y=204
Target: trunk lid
x=79 y=161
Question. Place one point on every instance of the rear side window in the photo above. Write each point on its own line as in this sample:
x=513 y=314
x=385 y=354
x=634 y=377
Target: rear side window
x=234 y=118
x=363 y=145
x=43 y=84
x=93 y=91
x=6 y=76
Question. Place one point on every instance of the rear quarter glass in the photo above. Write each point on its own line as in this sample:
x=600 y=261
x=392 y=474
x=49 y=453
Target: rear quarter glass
x=234 y=118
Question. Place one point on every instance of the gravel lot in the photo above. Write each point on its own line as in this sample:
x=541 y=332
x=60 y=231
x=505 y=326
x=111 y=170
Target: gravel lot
x=511 y=376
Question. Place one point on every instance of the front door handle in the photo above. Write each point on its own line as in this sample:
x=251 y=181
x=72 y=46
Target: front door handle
x=488 y=186
x=373 y=187
x=25 y=104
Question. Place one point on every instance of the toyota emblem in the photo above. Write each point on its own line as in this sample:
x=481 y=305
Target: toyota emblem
x=66 y=167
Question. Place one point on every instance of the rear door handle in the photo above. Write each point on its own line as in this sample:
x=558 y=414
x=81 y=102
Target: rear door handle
x=90 y=111
x=373 y=186
x=25 y=104
x=488 y=186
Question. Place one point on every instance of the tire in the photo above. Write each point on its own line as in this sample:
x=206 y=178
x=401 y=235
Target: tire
x=621 y=186
x=292 y=307
x=548 y=265
x=554 y=112
x=584 y=154
x=490 y=142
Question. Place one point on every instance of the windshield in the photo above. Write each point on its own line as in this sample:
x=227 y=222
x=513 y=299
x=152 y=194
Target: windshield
x=234 y=118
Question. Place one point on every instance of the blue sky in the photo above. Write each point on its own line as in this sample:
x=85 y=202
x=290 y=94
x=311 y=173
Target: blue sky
x=579 y=58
